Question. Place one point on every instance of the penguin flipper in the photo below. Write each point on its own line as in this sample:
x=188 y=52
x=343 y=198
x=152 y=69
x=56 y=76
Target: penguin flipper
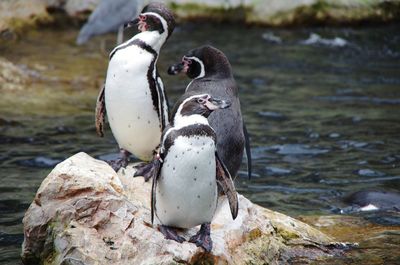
x=100 y=113
x=164 y=117
x=248 y=150
x=157 y=170
x=224 y=181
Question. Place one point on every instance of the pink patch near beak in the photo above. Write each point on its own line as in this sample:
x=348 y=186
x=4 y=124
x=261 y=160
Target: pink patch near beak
x=142 y=26
x=186 y=64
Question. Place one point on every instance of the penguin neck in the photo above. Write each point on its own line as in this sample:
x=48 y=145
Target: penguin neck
x=152 y=38
x=219 y=71
x=183 y=121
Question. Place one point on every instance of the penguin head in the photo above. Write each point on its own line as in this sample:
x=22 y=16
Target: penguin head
x=201 y=62
x=202 y=105
x=154 y=17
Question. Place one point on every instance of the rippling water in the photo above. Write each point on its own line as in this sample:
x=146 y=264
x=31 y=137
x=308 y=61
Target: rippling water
x=323 y=114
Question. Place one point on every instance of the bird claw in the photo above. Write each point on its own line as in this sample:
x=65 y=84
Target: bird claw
x=146 y=170
x=170 y=233
x=202 y=238
x=120 y=162
x=117 y=164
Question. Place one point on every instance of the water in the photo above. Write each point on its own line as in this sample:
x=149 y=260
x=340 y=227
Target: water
x=324 y=119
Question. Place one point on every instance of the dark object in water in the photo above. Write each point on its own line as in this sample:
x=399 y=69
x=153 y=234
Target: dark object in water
x=369 y=200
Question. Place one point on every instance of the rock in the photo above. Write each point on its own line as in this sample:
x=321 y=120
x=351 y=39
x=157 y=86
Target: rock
x=377 y=243
x=84 y=213
x=77 y=7
x=289 y=12
x=11 y=76
x=18 y=14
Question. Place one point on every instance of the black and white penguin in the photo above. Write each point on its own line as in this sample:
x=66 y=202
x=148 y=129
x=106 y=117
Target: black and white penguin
x=187 y=171
x=133 y=95
x=211 y=73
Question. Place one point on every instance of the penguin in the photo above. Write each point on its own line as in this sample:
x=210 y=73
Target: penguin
x=211 y=73
x=133 y=96
x=187 y=172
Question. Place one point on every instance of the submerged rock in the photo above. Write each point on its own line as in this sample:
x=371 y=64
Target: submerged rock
x=11 y=76
x=84 y=213
x=377 y=243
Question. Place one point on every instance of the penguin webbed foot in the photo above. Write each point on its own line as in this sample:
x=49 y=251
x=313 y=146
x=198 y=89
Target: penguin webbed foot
x=170 y=233
x=117 y=164
x=149 y=170
x=146 y=170
x=203 y=238
x=120 y=162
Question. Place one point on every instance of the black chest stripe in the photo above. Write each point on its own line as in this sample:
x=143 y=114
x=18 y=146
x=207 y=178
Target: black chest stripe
x=138 y=43
x=189 y=131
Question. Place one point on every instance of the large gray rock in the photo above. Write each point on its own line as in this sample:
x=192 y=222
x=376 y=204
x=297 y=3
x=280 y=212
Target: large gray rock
x=84 y=213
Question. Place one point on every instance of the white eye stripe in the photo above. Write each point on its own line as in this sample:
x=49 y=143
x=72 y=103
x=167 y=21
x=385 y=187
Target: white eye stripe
x=163 y=21
x=184 y=123
x=202 y=68
x=178 y=112
x=190 y=98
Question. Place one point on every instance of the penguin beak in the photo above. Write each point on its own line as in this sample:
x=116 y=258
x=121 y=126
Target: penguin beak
x=140 y=21
x=132 y=23
x=176 y=68
x=213 y=104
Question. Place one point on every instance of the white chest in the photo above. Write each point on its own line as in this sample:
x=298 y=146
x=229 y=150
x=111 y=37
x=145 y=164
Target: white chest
x=132 y=117
x=187 y=190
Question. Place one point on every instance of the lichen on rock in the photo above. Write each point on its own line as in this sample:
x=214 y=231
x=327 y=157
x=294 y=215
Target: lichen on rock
x=85 y=213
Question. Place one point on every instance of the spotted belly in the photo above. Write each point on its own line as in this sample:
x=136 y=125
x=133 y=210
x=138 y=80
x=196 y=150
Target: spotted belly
x=133 y=119
x=186 y=194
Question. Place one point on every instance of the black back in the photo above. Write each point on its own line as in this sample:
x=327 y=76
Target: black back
x=228 y=123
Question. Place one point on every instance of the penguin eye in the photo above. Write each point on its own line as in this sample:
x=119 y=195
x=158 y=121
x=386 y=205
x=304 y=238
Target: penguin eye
x=142 y=17
x=186 y=60
x=200 y=101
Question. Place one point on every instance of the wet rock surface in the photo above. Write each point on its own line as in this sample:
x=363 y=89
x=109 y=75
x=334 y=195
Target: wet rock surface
x=384 y=242
x=84 y=213
x=11 y=76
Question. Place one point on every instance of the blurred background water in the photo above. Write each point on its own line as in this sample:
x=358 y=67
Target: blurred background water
x=322 y=106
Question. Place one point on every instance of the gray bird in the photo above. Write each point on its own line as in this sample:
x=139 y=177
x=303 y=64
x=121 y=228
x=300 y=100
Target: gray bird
x=109 y=16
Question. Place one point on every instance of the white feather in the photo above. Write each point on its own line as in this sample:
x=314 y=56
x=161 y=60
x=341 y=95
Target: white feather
x=186 y=194
x=133 y=120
